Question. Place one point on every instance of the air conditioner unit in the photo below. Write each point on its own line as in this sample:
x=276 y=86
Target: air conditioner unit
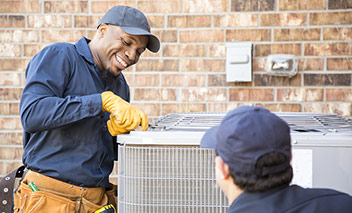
x=165 y=170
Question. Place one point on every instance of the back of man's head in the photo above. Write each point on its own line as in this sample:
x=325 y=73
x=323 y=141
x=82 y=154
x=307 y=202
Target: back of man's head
x=256 y=145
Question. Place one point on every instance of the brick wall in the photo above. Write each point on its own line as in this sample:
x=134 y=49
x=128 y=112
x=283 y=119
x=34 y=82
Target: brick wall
x=188 y=74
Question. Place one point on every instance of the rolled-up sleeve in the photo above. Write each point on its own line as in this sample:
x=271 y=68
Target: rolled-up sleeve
x=43 y=105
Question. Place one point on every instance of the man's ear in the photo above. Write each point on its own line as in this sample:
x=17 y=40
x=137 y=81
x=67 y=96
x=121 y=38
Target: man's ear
x=222 y=167
x=102 y=29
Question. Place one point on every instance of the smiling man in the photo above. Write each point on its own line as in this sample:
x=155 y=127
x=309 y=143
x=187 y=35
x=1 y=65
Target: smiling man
x=74 y=102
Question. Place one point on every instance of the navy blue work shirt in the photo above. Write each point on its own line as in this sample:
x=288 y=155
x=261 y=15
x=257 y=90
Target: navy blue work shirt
x=292 y=199
x=65 y=131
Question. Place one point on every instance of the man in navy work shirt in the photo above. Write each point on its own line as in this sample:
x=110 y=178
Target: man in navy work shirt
x=74 y=102
x=253 y=168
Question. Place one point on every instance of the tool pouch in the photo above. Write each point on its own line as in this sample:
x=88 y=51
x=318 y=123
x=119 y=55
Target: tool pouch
x=27 y=200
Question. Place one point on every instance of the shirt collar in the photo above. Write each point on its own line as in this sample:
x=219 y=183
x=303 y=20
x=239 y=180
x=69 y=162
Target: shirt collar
x=83 y=49
x=247 y=197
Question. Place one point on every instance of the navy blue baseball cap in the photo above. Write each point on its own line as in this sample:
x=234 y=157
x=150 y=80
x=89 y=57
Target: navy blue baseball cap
x=131 y=21
x=247 y=133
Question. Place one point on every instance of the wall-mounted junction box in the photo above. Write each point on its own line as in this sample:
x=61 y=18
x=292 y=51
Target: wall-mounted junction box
x=239 y=62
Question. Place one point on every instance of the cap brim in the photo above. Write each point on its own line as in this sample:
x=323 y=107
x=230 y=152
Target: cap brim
x=209 y=138
x=153 y=43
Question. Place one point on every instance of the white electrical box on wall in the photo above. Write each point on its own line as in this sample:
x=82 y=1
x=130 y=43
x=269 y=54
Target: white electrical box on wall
x=239 y=62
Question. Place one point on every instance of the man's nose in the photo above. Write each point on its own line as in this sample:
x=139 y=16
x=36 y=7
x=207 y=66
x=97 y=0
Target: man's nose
x=131 y=55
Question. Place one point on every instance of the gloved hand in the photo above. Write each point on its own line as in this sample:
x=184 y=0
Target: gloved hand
x=124 y=117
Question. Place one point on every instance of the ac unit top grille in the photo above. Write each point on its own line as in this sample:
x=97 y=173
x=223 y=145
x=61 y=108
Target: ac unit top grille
x=298 y=122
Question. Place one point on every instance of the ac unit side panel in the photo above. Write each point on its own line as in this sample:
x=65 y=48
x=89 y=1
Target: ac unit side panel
x=164 y=179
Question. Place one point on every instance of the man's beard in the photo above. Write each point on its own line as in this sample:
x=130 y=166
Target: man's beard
x=110 y=79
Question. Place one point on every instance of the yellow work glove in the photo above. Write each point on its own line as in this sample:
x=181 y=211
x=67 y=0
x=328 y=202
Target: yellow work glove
x=125 y=116
x=114 y=128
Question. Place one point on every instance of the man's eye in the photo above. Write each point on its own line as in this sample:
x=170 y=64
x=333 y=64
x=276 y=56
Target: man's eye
x=125 y=42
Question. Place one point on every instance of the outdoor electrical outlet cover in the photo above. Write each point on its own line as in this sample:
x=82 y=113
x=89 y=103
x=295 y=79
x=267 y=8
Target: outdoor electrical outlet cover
x=281 y=65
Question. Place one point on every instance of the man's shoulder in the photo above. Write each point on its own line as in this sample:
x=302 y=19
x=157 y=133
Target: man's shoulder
x=60 y=46
x=307 y=199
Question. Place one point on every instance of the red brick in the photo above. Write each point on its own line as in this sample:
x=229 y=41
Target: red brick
x=62 y=35
x=299 y=94
x=217 y=50
x=65 y=7
x=150 y=109
x=241 y=94
x=225 y=107
x=283 y=19
x=339 y=94
x=327 y=79
x=11 y=153
x=203 y=94
x=248 y=35
x=49 y=21
x=282 y=107
x=271 y=80
x=32 y=49
x=339 y=64
x=189 y=21
x=330 y=18
x=13 y=64
x=196 y=36
x=12 y=21
x=326 y=49
x=10 y=50
x=205 y=6
x=184 y=50
x=166 y=35
x=86 y=21
x=301 y=5
x=91 y=34
x=154 y=94
x=179 y=80
x=337 y=33
x=183 y=108
x=140 y=80
x=217 y=80
x=103 y=6
x=9 y=109
x=22 y=6
x=306 y=64
x=156 y=21
x=10 y=123
x=10 y=79
x=297 y=34
x=252 y=5
x=343 y=109
x=340 y=4
x=203 y=65
x=10 y=94
x=160 y=6
x=267 y=49
x=236 y=20
x=258 y=64
x=157 y=65
x=11 y=138
x=8 y=166
x=148 y=53
x=19 y=36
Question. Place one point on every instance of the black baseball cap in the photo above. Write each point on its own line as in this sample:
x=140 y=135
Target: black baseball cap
x=131 y=21
x=247 y=133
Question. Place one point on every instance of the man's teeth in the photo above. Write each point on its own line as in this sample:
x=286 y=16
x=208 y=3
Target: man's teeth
x=121 y=62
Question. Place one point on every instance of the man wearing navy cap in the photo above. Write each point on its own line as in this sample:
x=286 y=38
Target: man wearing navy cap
x=253 y=168
x=74 y=103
